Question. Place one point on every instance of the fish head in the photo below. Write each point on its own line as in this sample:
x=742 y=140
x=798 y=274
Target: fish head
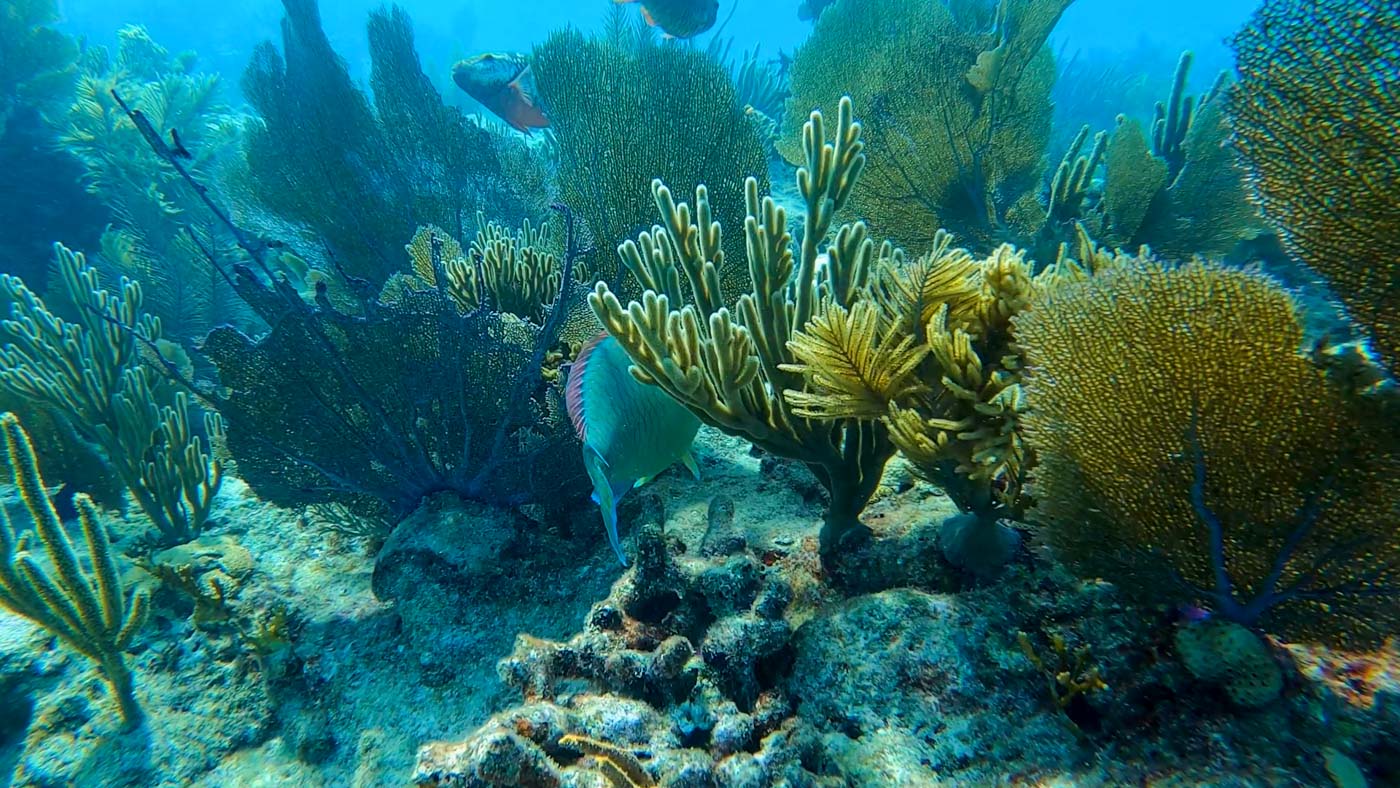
x=487 y=74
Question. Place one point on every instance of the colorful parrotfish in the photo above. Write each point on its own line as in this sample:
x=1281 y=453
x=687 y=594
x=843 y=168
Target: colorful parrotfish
x=679 y=18
x=630 y=431
x=504 y=85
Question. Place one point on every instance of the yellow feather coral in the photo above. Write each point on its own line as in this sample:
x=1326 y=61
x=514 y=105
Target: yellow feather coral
x=854 y=369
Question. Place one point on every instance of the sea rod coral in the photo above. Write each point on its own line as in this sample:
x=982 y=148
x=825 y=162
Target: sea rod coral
x=731 y=367
x=89 y=608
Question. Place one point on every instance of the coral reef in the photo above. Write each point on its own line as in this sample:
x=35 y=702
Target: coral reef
x=358 y=176
x=626 y=110
x=1317 y=127
x=958 y=112
x=91 y=609
x=43 y=200
x=91 y=375
x=732 y=372
x=39 y=62
x=1226 y=653
x=702 y=637
x=1174 y=186
x=931 y=356
x=1214 y=465
x=413 y=398
x=511 y=272
x=154 y=240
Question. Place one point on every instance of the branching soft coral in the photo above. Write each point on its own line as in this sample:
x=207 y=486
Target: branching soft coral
x=1189 y=453
x=36 y=60
x=360 y=176
x=151 y=240
x=731 y=367
x=1175 y=186
x=88 y=607
x=930 y=356
x=90 y=374
x=627 y=110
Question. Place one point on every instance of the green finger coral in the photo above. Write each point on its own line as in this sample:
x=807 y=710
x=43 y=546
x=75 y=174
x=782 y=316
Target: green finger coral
x=87 y=607
x=90 y=374
x=956 y=103
x=731 y=367
x=1212 y=463
x=626 y=110
x=1317 y=120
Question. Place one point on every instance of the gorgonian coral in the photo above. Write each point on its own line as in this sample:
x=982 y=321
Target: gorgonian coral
x=731 y=367
x=1317 y=119
x=1189 y=453
x=627 y=110
x=956 y=103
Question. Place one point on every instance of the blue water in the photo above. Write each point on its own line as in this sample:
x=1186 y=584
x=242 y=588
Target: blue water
x=224 y=32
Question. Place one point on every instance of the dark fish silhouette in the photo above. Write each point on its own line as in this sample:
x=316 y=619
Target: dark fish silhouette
x=678 y=18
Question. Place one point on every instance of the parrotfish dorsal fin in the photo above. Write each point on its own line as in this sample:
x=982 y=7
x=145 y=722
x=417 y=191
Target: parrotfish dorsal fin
x=573 y=392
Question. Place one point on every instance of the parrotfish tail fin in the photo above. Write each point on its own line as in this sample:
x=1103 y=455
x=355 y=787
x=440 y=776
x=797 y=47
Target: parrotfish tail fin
x=688 y=460
x=573 y=392
x=604 y=495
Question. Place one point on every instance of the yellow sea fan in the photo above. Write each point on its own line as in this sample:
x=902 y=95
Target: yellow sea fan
x=852 y=369
x=911 y=294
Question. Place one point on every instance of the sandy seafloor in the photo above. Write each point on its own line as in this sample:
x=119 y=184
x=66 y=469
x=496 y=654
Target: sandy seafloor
x=724 y=656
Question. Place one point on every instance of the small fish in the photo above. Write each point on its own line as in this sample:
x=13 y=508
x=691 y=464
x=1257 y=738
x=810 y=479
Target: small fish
x=630 y=431
x=810 y=10
x=177 y=147
x=678 y=18
x=503 y=84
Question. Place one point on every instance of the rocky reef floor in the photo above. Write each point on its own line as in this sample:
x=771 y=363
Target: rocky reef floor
x=480 y=648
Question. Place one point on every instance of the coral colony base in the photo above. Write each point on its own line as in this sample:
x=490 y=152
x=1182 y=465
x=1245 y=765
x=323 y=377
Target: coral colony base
x=1007 y=463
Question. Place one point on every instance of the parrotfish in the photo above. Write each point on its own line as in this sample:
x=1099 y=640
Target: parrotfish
x=679 y=18
x=630 y=431
x=503 y=84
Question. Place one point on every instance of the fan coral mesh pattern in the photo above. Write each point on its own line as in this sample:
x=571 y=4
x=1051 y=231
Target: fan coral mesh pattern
x=1316 y=116
x=1189 y=453
x=957 y=110
x=410 y=400
x=628 y=111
